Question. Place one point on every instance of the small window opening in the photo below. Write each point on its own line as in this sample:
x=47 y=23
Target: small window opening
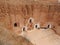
x=23 y=28
x=30 y=20
x=15 y=24
x=36 y=26
x=48 y=26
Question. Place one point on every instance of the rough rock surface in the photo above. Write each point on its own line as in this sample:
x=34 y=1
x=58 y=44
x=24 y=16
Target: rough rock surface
x=8 y=38
x=43 y=12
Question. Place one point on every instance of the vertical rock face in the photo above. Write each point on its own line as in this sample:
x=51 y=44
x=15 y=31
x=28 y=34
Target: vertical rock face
x=42 y=11
x=15 y=14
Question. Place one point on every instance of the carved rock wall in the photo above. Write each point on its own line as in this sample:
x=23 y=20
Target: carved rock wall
x=20 y=11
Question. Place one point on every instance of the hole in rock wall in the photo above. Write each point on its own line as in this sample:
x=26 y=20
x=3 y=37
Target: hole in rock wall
x=15 y=24
x=23 y=28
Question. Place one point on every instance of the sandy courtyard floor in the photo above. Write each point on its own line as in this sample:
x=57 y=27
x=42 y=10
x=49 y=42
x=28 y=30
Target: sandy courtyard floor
x=42 y=37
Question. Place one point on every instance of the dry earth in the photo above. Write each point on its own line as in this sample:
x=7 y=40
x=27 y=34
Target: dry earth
x=42 y=37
